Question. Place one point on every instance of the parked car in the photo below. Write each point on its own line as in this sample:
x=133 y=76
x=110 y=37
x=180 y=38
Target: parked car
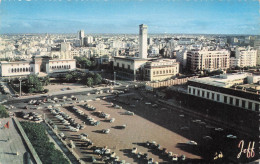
x=106 y=131
x=129 y=113
x=192 y=143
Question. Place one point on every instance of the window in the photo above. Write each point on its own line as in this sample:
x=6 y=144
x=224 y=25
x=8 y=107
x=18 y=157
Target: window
x=160 y=72
x=198 y=92
x=218 y=97
x=203 y=93
x=117 y=64
x=153 y=72
x=231 y=100
x=208 y=95
x=257 y=107
x=128 y=66
x=237 y=102
x=123 y=66
x=194 y=91
x=170 y=71
x=189 y=90
x=243 y=103
x=213 y=96
x=225 y=99
x=250 y=104
x=166 y=71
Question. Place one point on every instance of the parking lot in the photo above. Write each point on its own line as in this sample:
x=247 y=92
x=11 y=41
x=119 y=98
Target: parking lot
x=121 y=140
x=152 y=121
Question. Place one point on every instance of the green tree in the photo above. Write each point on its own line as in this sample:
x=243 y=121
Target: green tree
x=33 y=84
x=97 y=79
x=68 y=77
x=90 y=81
x=3 y=112
x=46 y=80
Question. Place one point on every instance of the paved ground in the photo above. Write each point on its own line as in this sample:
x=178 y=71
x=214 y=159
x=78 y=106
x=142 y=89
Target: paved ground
x=9 y=148
x=162 y=124
x=138 y=131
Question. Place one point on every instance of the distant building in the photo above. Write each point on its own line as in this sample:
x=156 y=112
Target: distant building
x=245 y=57
x=81 y=36
x=38 y=65
x=181 y=57
x=239 y=90
x=160 y=69
x=208 y=60
x=257 y=47
x=143 y=41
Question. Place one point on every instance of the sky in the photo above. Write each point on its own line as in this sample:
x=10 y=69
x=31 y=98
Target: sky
x=124 y=16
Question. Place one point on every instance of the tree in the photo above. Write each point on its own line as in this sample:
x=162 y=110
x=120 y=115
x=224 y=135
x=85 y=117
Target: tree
x=68 y=77
x=90 y=81
x=33 y=84
x=46 y=80
x=3 y=112
x=97 y=79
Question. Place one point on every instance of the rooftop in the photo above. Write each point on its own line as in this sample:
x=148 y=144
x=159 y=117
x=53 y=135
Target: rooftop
x=224 y=80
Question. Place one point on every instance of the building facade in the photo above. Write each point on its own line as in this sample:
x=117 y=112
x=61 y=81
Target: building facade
x=208 y=60
x=246 y=57
x=37 y=65
x=161 y=69
x=219 y=89
x=129 y=68
x=257 y=48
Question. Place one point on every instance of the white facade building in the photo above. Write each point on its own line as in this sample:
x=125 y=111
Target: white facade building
x=208 y=60
x=219 y=89
x=246 y=57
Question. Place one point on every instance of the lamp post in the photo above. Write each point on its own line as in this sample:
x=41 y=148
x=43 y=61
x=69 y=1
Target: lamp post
x=20 y=80
x=114 y=78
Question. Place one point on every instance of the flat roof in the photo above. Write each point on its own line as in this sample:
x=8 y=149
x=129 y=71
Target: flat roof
x=131 y=58
x=221 y=80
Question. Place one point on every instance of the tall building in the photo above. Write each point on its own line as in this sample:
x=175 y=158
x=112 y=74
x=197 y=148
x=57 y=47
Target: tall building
x=143 y=41
x=81 y=37
x=257 y=47
x=208 y=60
x=245 y=57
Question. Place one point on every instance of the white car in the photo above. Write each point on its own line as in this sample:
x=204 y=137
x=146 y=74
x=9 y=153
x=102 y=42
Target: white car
x=62 y=135
x=129 y=113
x=174 y=157
x=192 y=143
x=231 y=136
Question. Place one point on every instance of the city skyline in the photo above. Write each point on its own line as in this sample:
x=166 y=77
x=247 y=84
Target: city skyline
x=123 y=17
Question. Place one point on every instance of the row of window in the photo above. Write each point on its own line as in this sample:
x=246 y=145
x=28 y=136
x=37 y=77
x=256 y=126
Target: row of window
x=60 y=67
x=123 y=66
x=27 y=69
x=163 y=72
x=227 y=100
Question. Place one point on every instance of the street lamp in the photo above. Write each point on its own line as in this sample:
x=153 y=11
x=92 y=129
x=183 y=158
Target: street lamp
x=20 y=86
x=114 y=78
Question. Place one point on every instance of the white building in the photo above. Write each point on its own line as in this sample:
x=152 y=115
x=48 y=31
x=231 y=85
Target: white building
x=160 y=69
x=181 y=57
x=246 y=57
x=38 y=65
x=143 y=41
x=257 y=47
x=225 y=89
x=208 y=60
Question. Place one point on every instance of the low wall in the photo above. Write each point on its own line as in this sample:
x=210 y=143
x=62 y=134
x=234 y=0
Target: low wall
x=168 y=83
x=27 y=141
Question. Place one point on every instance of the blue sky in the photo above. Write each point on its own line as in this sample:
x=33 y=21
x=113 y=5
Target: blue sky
x=124 y=16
